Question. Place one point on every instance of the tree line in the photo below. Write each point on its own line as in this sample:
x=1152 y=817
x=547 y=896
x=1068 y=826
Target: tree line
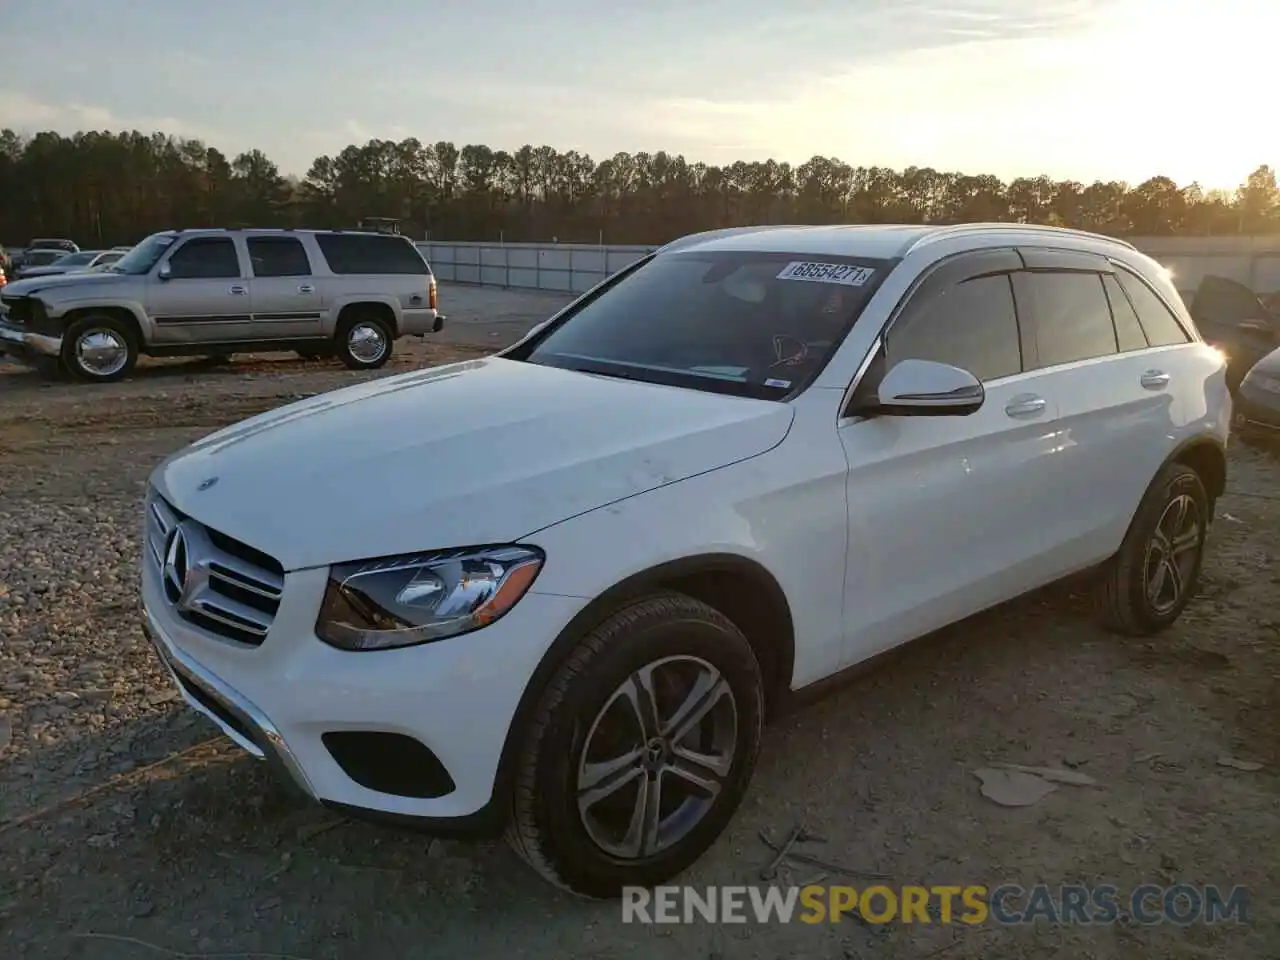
x=103 y=188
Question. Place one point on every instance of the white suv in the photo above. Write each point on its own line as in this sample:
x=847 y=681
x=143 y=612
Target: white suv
x=558 y=590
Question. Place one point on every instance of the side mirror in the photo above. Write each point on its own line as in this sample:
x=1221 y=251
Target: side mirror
x=164 y=273
x=922 y=388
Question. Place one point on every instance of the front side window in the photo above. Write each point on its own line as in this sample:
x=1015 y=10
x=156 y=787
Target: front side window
x=1071 y=314
x=744 y=323
x=205 y=258
x=971 y=325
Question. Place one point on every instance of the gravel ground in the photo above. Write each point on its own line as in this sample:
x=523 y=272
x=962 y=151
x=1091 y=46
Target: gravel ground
x=128 y=828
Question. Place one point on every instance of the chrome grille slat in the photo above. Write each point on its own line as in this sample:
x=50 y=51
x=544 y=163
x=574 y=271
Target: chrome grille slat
x=235 y=615
x=227 y=594
x=245 y=575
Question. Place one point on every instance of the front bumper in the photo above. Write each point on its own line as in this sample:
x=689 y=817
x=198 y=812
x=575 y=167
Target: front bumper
x=23 y=344
x=277 y=701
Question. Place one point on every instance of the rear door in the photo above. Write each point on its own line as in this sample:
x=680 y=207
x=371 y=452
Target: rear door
x=206 y=296
x=1117 y=397
x=946 y=513
x=285 y=298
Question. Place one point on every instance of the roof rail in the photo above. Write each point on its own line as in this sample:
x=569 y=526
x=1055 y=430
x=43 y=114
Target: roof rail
x=961 y=228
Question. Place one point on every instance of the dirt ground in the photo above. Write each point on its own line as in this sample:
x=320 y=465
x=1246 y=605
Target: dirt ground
x=129 y=828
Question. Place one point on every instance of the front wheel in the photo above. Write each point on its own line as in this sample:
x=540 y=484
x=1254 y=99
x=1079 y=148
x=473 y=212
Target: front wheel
x=1145 y=587
x=364 y=342
x=640 y=750
x=99 y=349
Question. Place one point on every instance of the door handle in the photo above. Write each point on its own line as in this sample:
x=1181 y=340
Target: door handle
x=238 y=291
x=1155 y=379
x=1026 y=406
x=306 y=288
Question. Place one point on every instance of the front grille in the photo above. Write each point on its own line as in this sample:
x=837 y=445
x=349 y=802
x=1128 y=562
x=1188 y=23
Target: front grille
x=17 y=309
x=215 y=582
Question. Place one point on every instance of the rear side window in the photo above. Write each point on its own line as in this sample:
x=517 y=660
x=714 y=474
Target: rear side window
x=1158 y=322
x=365 y=253
x=1071 y=314
x=278 y=257
x=971 y=325
x=206 y=258
x=1129 y=335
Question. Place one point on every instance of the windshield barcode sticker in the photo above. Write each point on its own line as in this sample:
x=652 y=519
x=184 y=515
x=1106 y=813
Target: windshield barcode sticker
x=842 y=273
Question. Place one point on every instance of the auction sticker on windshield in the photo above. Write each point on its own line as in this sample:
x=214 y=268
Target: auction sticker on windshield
x=842 y=273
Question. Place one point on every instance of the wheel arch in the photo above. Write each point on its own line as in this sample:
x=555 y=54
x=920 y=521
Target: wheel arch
x=116 y=312
x=369 y=306
x=740 y=588
x=1207 y=456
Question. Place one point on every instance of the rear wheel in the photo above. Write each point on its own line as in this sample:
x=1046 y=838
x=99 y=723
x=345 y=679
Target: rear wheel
x=1145 y=587
x=99 y=348
x=363 y=342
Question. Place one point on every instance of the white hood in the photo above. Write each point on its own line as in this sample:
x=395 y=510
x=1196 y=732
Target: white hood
x=486 y=451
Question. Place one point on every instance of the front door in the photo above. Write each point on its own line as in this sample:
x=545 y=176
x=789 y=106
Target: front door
x=945 y=513
x=286 y=299
x=204 y=298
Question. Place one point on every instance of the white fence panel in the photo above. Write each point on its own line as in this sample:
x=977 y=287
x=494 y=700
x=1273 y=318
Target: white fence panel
x=574 y=268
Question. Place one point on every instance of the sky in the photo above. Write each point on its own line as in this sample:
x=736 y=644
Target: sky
x=1076 y=89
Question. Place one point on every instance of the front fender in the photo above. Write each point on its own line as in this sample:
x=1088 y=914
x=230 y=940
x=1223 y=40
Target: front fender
x=59 y=309
x=783 y=510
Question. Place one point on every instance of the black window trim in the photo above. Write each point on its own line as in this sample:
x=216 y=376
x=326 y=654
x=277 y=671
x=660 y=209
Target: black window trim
x=1192 y=335
x=951 y=261
x=1112 y=307
x=182 y=244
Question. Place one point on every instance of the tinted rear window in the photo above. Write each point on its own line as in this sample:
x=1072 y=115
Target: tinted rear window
x=363 y=253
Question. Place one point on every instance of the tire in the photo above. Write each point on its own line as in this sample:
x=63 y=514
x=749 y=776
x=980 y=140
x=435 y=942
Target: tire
x=359 y=334
x=666 y=637
x=99 y=348
x=1174 y=512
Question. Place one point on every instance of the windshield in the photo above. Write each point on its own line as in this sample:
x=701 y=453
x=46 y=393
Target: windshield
x=143 y=257
x=74 y=259
x=752 y=324
x=41 y=258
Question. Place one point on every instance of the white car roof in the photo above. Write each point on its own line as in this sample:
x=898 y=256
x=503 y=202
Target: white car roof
x=876 y=241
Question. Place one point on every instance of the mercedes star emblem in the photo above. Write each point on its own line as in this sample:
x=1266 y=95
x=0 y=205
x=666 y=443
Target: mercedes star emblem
x=176 y=564
x=207 y=483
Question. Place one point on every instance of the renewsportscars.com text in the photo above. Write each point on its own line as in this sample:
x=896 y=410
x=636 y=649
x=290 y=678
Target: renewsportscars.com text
x=973 y=904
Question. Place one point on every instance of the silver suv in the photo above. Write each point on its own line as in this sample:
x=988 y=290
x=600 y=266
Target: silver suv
x=218 y=292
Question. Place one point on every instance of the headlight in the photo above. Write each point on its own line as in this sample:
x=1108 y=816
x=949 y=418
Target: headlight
x=400 y=601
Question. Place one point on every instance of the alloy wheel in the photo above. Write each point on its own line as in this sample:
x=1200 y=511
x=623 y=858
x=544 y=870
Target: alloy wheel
x=1172 y=553
x=656 y=757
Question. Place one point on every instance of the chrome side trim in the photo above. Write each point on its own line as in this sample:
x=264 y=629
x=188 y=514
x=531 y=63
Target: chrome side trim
x=273 y=749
